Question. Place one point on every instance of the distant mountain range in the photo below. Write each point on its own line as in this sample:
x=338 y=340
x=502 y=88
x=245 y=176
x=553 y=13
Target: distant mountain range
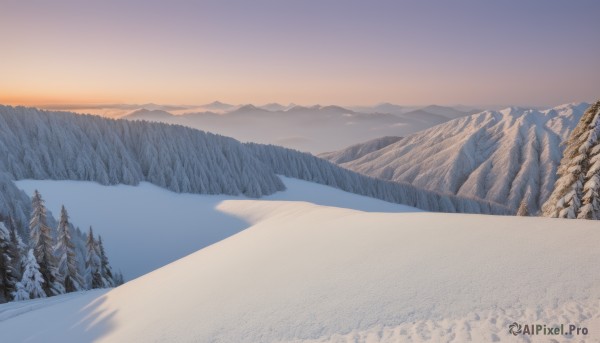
x=500 y=156
x=314 y=129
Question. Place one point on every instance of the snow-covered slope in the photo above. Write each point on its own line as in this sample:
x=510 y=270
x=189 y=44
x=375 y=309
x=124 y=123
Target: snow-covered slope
x=65 y=146
x=359 y=150
x=499 y=156
x=146 y=227
x=304 y=272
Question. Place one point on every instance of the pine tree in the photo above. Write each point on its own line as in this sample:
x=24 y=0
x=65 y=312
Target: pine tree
x=8 y=275
x=93 y=277
x=577 y=191
x=31 y=285
x=67 y=259
x=119 y=279
x=105 y=269
x=41 y=242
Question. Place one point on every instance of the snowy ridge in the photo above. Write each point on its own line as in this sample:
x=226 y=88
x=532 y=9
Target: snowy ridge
x=308 y=273
x=500 y=156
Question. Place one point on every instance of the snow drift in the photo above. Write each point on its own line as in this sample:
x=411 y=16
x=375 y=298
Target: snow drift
x=146 y=227
x=304 y=272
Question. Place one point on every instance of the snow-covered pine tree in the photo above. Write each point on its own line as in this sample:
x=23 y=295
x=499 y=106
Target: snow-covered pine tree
x=93 y=277
x=119 y=280
x=8 y=275
x=68 y=271
x=105 y=269
x=31 y=285
x=16 y=243
x=42 y=244
x=577 y=191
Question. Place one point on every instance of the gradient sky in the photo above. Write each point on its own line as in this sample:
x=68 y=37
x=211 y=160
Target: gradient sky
x=418 y=52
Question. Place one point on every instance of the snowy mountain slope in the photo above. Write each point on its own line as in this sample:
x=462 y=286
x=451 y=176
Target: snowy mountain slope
x=171 y=225
x=65 y=146
x=498 y=156
x=359 y=150
x=304 y=166
x=309 y=128
x=304 y=272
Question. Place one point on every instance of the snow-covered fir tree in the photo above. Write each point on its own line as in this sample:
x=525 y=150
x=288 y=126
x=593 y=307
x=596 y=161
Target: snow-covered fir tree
x=32 y=283
x=93 y=276
x=41 y=242
x=577 y=191
x=8 y=274
x=118 y=278
x=68 y=271
x=105 y=269
x=19 y=248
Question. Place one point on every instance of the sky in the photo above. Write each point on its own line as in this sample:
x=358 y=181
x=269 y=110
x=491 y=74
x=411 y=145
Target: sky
x=513 y=52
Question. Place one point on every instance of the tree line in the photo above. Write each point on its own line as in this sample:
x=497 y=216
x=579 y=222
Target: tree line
x=50 y=263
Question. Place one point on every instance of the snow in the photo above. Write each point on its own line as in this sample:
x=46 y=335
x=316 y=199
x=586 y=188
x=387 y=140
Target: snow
x=493 y=155
x=171 y=225
x=306 y=272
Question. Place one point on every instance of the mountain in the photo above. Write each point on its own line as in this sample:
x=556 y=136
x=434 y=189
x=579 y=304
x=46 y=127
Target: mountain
x=304 y=128
x=275 y=107
x=46 y=145
x=217 y=106
x=151 y=115
x=357 y=151
x=302 y=272
x=500 y=156
x=385 y=107
x=449 y=112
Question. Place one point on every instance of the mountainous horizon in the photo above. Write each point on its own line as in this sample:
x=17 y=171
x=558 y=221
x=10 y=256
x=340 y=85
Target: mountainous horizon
x=305 y=128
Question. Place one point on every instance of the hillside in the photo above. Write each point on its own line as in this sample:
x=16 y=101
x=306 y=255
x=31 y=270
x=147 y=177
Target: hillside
x=308 y=273
x=45 y=145
x=171 y=225
x=358 y=150
x=499 y=156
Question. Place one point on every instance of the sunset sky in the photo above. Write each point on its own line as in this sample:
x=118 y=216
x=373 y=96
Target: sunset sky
x=329 y=52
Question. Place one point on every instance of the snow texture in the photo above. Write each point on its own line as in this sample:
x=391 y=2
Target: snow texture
x=309 y=273
x=172 y=225
x=177 y=158
x=498 y=156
